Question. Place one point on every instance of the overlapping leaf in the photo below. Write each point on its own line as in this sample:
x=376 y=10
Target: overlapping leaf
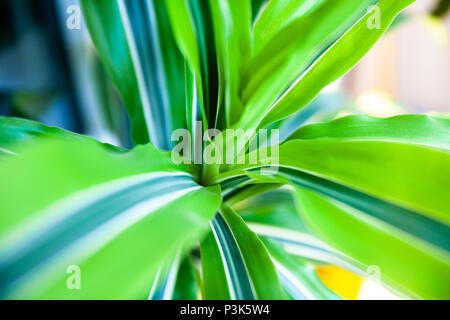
x=338 y=59
x=378 y=246
x=417 y=129
x=385 y=180
x=95 y=206
x=137 y=46
x=314 y=28
x=247 y=267
x=375 y=189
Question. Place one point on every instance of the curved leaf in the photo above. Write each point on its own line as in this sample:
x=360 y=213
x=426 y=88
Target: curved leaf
x=186 y=287
x=276 y=15
x=204 y=31
x=239 y=283
x=273 y=217
x=418 y=129
x=429 y=232
x=299 y=279
x=274 y=68
x=135 y=38
x=409 y=175
x=163 y=287
x=215 y=277
x=184 y=31
x=261 y=270
x=337 y=60
x=104 y=22
x=239 y=265
x=308 y=247
x=93 y=206
x=14 y=131
x=409 y=269
x=257 y=7
x=394 y=188
x=232 y=27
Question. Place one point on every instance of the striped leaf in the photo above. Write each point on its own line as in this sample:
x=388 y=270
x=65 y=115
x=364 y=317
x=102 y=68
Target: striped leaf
x=314 y=27
x=308 y=247
x=299 y=279
x=383 y=180
x=247 y=267
x=175 y=280
x=85 y=220
x=401 y=262
x=163 y=287
x=188 y=284
x=410 y=241
x=338 y=59
x=137 y=46
x=416 y=129
x=107 y=31
x=224 y=272
x=184 y=30
x=232 y=29
x=294 y=250
x=91 y=215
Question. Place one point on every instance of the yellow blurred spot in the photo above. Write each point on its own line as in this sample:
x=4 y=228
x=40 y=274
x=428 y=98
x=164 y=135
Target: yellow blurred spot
x=342 y=282
x=436 y=29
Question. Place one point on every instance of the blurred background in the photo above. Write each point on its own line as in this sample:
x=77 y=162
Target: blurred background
x=409 y=67
x=50 y=73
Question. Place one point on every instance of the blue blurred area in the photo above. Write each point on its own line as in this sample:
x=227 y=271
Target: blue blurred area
x=34 y=79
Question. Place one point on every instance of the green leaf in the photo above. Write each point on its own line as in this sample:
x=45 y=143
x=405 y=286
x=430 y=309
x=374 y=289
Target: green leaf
x=175 y=280
x=177 y=85
x=417 y=235
x=417 y=129
x=299 y=279
x=15 y=131
x=398 y=188
x=270 y=207
x=105 y=25
x=336 y=61
x=186 y=287
x=238 y=281
x=274 y=218
x=92 y=207
x=215 y=282
x=232 y=28
x=204 y=31
x=163 y=285
x=307 y=246
x=239 y=195
x=402 y=264
x=184 y=31
x=257 y=7
x=291 y=53
x=390 y=171
x=409 y=175
x=276 y=15
x=258 y=263
x=273 y=215
x=236 y=263
x=136 y=37
x=430 y=232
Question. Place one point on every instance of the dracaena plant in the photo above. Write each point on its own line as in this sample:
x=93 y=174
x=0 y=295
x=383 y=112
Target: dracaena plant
x=81 y=219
